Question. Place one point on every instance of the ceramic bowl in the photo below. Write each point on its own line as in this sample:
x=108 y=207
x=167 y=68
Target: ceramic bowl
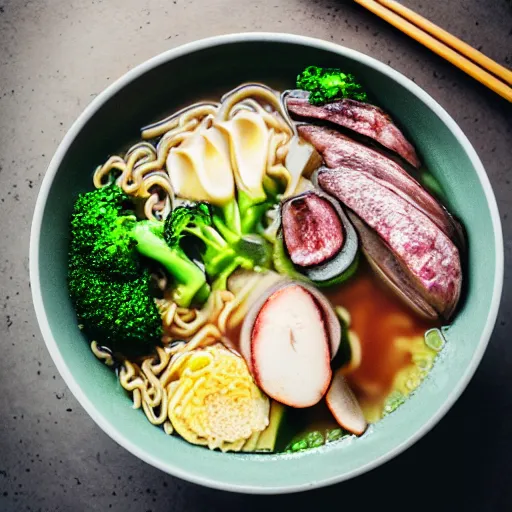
x=204 y=69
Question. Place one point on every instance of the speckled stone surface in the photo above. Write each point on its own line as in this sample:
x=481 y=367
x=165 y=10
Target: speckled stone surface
x=55 y=56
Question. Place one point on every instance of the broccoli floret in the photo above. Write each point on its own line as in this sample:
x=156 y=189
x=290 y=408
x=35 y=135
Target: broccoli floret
x=120 y=314
x=99 y=231
x=107 y=232
x=222 y=250
x=329 y=84
x=108 y=277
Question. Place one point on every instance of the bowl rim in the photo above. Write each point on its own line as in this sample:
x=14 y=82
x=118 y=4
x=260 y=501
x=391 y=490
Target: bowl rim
x=227 y=39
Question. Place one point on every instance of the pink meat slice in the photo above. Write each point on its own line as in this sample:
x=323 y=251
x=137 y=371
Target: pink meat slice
x=362 y=118
x=290 y=357
x=312 y=230
x=429 y=256
x=338 y=150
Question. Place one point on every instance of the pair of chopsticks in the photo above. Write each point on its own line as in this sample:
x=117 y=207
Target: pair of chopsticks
x=488 y=72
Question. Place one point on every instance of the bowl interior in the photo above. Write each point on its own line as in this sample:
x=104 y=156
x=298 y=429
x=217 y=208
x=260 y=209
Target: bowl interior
x=206 y=73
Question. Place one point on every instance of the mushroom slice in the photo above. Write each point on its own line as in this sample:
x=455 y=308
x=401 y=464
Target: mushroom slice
x=248 y=142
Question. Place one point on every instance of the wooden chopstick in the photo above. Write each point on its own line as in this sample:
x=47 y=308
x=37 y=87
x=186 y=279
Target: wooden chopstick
x=447 y=38
x=439 y=47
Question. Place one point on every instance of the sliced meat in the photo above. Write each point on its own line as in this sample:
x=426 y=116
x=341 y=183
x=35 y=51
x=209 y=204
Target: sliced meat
x=430 y=257
x=257 y=298
x=341 y=151
x=391 y=270
x=362 y=118
x=312 y=230
x=290 y=348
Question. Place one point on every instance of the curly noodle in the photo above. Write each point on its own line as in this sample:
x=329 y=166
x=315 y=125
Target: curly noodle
x=142 y=174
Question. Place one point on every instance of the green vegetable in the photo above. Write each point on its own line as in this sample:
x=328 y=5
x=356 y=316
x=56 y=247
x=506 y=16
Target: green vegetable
x=227 y=221
x=250 y=444
x=315 y=439
x=243 y=215
x=432 y=185
x=329 y=84
x=108 y=277
x=334 y=435
x=434 y=339
x=251 y=213
x=310 y=440
x=222 y=249
x=393 y=402
x=268 y=438
x=120 y=314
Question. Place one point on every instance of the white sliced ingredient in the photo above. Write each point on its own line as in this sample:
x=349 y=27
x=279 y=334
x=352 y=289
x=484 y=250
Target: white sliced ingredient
x=302 y=159
x=248 y=142
x=344 y=405
x=290 y=348
x=200 y=168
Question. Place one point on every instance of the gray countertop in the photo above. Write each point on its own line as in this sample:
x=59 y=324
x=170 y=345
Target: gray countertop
x=55 y=56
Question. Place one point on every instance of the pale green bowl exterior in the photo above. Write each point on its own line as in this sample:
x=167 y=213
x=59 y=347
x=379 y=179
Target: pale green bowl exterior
x=157 y=87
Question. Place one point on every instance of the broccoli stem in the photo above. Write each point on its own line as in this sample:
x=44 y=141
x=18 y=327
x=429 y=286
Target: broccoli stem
x=227 y=220
x=231 y=215
x=231 y=237
x=189 y=277
x=251 y=212
x=203 y=293
x=218 y=254
x=242 y=216
x=252 y=217
x=222 y=250
x=221 y=281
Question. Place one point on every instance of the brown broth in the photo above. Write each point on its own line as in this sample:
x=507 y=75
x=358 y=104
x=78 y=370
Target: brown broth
x=378 y=318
